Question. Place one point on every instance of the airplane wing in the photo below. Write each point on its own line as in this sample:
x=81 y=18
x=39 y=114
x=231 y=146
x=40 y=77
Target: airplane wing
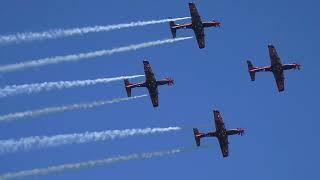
x=224 y=146
x=148 y=71
x=220 y=127
x=218 y=120
x=279 y=77
x=200 y=38
x=273 y=55
x=193 y=11
x=154 y=98
x=196 y=22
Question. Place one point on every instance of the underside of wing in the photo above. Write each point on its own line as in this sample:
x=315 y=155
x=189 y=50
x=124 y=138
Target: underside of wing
x=273 y=55
x=279 y=77
x=200 y=39
x=218 y=120
x=154 y=98
x=148 y=71
x=193 y=10
x=224 y=146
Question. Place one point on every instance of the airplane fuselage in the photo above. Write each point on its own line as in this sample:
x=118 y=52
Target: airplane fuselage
x=279 y=68
x=220 y=134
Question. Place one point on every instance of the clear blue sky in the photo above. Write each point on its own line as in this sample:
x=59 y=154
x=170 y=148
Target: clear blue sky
x=282 y=141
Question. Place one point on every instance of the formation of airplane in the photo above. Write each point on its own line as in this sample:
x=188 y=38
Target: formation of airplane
x=196 y=25
x=150 y=83
x=221 y=133
x=276 y=68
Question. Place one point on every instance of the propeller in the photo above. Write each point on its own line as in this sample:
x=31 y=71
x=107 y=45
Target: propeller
x=170 y=81
x=240 y=131
x=298 y=66
x=217 y=23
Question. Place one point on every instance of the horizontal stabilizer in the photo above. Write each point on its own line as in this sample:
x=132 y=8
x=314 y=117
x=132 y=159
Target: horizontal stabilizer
x=173 y=30
x=252 y=73
x=196 y=136
x=127 y=86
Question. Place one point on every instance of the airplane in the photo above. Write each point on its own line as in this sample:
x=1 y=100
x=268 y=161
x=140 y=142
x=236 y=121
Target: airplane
x=150 y=83
x=196 y=24
x=221 y=133
x=276 y=68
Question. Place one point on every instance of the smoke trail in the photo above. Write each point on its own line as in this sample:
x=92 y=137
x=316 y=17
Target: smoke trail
x=81 y=56
x=93 y=163
x=36 y=142
x=58 y=33
x=48 y=86
x=49 y=110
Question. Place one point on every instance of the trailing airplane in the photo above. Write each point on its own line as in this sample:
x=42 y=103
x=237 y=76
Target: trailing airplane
x=150 y=83
x=221 y=133
x=276 y=68
x=196 y=25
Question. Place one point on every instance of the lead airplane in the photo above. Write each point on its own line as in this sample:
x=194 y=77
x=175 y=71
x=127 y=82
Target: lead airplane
x=221 y=133
x=150 y=83
x=196 y=24
x=277 y=68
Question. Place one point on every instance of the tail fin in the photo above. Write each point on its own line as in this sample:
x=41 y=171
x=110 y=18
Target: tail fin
x=252 y=73
x=127 y=86
x=173 y=30
x=196 y=136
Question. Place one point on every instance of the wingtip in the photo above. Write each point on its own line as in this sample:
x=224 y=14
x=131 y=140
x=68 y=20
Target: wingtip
x=225 y=155
x=201 y=45
x=270 y=45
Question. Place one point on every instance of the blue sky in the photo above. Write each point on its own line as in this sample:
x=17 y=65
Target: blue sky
x=281 y=140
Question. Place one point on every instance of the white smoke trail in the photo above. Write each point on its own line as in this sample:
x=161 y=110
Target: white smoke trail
x=48 y=86
x=92 y=163
x=81 y=56
x=38 y=112
x=58 y=33
x=36 y=142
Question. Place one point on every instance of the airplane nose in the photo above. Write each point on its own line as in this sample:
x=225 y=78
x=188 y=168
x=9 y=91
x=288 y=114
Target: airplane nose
x=298 y=66
x=216 y=23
